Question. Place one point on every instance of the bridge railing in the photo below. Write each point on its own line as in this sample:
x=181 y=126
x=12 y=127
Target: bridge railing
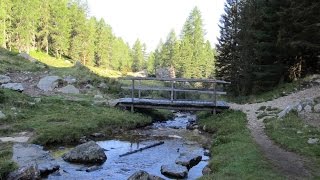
x=212 y=90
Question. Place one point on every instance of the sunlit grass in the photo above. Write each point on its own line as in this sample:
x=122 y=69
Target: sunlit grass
x=105 y=72
x=49 y=60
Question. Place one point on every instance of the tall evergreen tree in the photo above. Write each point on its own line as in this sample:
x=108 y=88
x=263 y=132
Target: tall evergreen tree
x=103 y=44
x=5 y=6
x=167 y=50
x=81 y=34
x=137 y=56
x=194 y=33
x=43 y=28
x=227 y=48
x=60 y=27
x=24 y=23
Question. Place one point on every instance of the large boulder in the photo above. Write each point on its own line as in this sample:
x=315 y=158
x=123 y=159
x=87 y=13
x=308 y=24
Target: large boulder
x=188 y=160
x=142 y=175
x=69 y=89
x=87 y=153
x=26 y=155
x=174 y=171
x=25 y=173
x=48 y=83
x=4 y=79
x=13 y=86
x=166 y=72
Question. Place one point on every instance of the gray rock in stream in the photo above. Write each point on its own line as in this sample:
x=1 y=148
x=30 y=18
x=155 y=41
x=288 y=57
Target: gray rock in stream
x=142 y=175
x=174 y=171
x=188 y=160
x=87 y=153
x=25 y=173
x=28 y=155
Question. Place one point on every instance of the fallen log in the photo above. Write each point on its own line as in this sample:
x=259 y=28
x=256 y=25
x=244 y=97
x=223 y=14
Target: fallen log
x=141 y=149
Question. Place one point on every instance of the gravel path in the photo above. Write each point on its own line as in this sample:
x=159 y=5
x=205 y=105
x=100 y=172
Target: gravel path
x=290 y=164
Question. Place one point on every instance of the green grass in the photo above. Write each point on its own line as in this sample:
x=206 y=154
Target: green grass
x=10 y=62
x=49 y=60
x=293 y=134
x=266 y=96
x=58 y=121
x=6 y=164
x=235 y=154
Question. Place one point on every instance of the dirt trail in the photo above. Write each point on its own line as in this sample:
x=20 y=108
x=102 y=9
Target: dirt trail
x=290 y=164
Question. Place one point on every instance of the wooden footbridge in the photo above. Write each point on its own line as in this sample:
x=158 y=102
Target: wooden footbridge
x=174 y=88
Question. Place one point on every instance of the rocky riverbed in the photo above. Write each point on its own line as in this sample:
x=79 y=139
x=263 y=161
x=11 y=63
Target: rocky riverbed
x=181 y=155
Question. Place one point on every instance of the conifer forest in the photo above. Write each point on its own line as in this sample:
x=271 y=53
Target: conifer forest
x=262 y=43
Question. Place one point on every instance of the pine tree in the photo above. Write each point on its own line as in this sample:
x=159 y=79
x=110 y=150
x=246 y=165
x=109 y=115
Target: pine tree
x=151 y=68
x=137 y=56
x=81 y=35
x=193 y=32
x=24 y=23
x=299 y=37
x=43 y=28
x=103 y=44
x=5 y=6
x=60 y=27
x=227 y=48
x=167 y=50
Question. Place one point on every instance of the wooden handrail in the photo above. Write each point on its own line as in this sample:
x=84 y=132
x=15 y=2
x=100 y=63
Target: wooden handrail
x=146 y=88
x=173 y=90
x=177 y=80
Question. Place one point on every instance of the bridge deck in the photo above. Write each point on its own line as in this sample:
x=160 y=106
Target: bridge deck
x=176 y=104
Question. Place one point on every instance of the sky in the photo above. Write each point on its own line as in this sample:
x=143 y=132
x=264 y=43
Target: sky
x=152 y=20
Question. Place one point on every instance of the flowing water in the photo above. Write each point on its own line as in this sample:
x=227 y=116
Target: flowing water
x=177 y=139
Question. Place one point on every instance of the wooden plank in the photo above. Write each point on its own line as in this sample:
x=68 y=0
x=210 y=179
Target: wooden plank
x=167 y=102
x=185 y=108
x=177 y=80
x=145 y=88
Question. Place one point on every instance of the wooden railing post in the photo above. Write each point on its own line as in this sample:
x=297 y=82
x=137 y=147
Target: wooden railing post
x=172 y=89
x=214 y=97
x=139 y=87
x=132 y=96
